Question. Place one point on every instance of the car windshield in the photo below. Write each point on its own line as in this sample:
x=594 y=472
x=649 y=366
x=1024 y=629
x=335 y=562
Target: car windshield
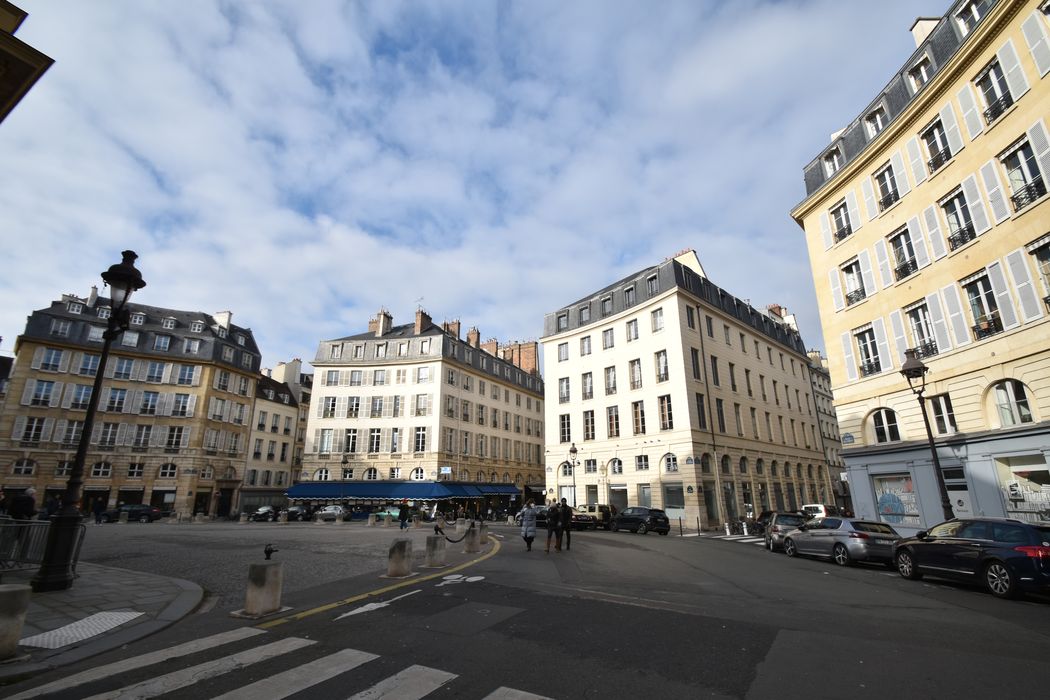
x=877 y=528
x=790 y=519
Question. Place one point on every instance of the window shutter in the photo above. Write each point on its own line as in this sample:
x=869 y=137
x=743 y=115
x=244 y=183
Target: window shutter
x=156 y=436
x=918 y=168
x=212 y=402
x=60 y=430
x=96 y=433
x=38 y=358
x=971 y=115
x=951 y=128
x=341 y=406
x=933 y=229
x=131 y=402
x=226 y=411
x=847 y=356
x=111 y=367
x=63 y=363
x=122 y=433
x=885 y=358
x=317 y=441
x=164 y=404
x=955 y=315
x=27 y=392
x=320 y=407
x=1015 y=78
x=976 y=205
x=1041 y=148
x=899 y=173
x=19 y=429
x=388 y=407
x=918 y=242
x=869 y=198
x=138 y=373
x=56 y=395
x=854 y=212
x=1035 y=35
x=899 y=340
x=940 y=326
x=190 y=405
x=344 y=378
x=186 y=433
x=49 y=426
x=825 y=228
x=882 y=257
x=215 y=379
x=1031 y=310
x=1002 y=296
x=338 y=439
x=865 y=270
x=165 y=377
x=198 y=371
x=67 y=400
x=994 y=187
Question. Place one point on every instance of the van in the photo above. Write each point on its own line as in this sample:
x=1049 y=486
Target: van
x=821 y=510
x=601 y=513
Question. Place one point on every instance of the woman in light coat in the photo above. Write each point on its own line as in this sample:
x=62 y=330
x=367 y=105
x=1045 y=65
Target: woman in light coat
x=528 y=524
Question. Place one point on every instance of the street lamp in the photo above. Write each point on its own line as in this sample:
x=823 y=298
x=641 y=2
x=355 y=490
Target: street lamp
x=56 y=569
x=915 y=372
x=572 y=463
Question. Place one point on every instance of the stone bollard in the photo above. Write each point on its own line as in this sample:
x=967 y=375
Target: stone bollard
x=282 y=517
x=399 y=563
x=472 y=541
x=745 y=529
x=264 y=589
x=123 y=517
x=483 y=534
x=435 y=552
x=243 y=519
x=417 y=522
x=14 y=601
x=371 y=520
x=461 y=526
x=339 y=520
x=388 y=520
x=727 y=529
x=510 y=519
x=200 y=518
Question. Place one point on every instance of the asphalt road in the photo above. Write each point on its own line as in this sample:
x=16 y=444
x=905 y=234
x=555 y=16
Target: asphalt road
x=619 y=615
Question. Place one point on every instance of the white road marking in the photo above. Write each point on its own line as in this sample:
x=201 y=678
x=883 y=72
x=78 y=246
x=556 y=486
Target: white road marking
x=411 y=684
x=374 y=606
x=125 y=665
x=78 y=631
x=194 y=674
x=511 y=694
x=302 y=677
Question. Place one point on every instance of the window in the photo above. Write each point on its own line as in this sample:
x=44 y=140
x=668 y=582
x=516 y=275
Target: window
x=632 y=330
x=714 y=371
x=1012 y=403
x=191 y=346
x=357 y=377
x=607 y=306
x=885 y=423
x=840 y=221
x=869 y=352
x=970 y=14
x=981 y=298
x=732 y=376
x=371 y=474
x=652 y=285
x=701 y=411
x=720 y=413
x=422 y=375
x=690 y=317
x=638 y=415
x=161 y=342
x=994 y=92
x=610 y=380
x=937 y=148
x=588 y=425
x=616 y=466
x=628 y=297
x=137 y=319
x=130 y=339
x=155 y=372
x=662 y=372
x=181 y=405
x=710 y=327
x=943 y=416
x=832 y=162
x=150 y=401
x=739 y=422
x=920 y=73
x=380 y=351
x=420 y=442
x=379 y=377
x=634 y=372
x=96 y=334
x=585 y=314
x=116 y=400
x=747 y=381
x=196 y=327
x=875 y=122
x=607 y=338
x=585 y=346
x=81 y=396
x=563 y=390
x=563 y=321
x=88 y=365
x=174 y=440
x=564 y=428
x=641 y=463
x=42 y=392
x=587 y=385
x=960 y=225
x=694 y=357
x=1022 y=173
x=666 y=417
x=101 y=470
x=921 y=326
x=325 y=442
x=903 y=254
x=658 y=320
x=374 y=435
x=1042 y=263
x=853 y=274
x=612 y=414
x=60 y=327
x=886 y=184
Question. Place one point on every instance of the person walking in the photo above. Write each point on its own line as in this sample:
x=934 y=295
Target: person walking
x=402 y=515
x=98 y=508
x=553 y=527
x=23 y=506
x=565 y=514
x=528 y=524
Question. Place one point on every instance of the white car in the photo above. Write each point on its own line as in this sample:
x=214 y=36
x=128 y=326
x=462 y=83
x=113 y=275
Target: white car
x=333 y=513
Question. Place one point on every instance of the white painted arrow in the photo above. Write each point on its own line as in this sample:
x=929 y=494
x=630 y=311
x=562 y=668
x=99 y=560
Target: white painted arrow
x=374 y=606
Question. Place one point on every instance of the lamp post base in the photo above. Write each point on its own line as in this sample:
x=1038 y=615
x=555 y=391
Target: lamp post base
x=56 y=571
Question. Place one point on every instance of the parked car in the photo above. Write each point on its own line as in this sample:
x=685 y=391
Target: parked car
x=581 y=520
x=392 y=511
x=264 y=514
x=332 y=513
x=822 y=510
x=843 y=540
x=137 y=512
x=1006 y=556
x=299 y=513
x=779 y=524
x=602 y=514
x=641 y=520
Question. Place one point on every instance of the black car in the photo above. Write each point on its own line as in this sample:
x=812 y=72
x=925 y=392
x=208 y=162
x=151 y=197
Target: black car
x=299 y=513
x=541 y=517
x=641 y=519
x=264 y=514
x=137 y=512
x=1004 y=555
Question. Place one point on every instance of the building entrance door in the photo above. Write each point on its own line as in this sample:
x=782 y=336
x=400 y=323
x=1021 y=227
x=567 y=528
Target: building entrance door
x=618 y=497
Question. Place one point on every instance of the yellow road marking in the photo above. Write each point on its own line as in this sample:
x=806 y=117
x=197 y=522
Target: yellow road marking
x=371 y=594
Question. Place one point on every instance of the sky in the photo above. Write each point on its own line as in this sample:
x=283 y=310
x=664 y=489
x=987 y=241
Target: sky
x=305 y=163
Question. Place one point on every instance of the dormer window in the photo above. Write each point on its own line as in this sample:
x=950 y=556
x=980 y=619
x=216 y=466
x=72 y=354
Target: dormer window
x=970 y=14
x=335 y=352
x=196 y=327
x=920 y=73
x=221 y=332
x=875 y=122
x=832 y=162
x=75 y=308
x=652 y=284
x=269 y=394
x=104 y=312
x=168 y=323
x=138 y=319
x=240 y=339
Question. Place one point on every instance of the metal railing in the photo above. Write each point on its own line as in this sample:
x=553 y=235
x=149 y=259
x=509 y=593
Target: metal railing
x=1046 y=300
x=1028 y=194
x=22 y=543
x=926 y=349
x=996 y=108
x=987 y=327
x=855 y=296
x=961 y=236
x=845 y=231
x=888 y=200
x=905 y=268
x=869 y=368
x=939 y=158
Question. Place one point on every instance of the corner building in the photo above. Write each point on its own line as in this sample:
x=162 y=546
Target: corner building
x=678 y=395
x=928 y=228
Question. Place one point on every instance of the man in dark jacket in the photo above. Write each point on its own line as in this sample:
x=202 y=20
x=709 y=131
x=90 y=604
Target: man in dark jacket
x=23 y=506
x=553 y=527
x=565 y=513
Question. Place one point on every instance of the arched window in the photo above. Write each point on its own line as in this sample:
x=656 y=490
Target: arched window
x=884 y=422
x=705 y=464
x=743 y=465
x=566 y=469
x=518 y=479
x=371 y=474
x=725 y=464
x=230 y=473
x=760 y=466
x=481 y=476
x=493 y=478
x=464 y=475
x=506 y=477
x=24 y=467
x=417 y=474
x=322 y=474
x=1011 y=401
x=773 y=468
x=809 y=471
x=670 y=463
x=616 y=466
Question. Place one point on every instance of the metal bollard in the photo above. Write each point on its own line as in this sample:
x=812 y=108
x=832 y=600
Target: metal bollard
x=745 y=529
x=727 y=529
x=399 y=560
x=14 y=601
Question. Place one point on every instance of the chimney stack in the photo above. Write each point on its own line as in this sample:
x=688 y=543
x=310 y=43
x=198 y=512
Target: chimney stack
x=384 y=322
x=423 y=321
x=922 y=28
x=474 y=337
x=223 y=318
x=451 y=327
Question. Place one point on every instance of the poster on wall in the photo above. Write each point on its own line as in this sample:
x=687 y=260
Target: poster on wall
x=897 y=502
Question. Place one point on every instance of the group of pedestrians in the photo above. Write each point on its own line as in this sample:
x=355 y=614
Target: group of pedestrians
x=559 y=525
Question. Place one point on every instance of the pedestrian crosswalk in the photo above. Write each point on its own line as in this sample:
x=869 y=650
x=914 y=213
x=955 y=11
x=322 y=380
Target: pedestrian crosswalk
x=744 y=539
x=412 y=683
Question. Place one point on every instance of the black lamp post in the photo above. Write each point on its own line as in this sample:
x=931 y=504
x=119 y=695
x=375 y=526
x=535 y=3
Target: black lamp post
x=56 y=570
x=915 y=372
x=572 y=465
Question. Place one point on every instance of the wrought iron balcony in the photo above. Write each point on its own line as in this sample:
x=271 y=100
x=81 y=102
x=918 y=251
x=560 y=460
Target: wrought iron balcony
x=998 y=107
x=1028 y=194
x=939 y=158
x=987 y=326
x=1046 y=300
x=855 y=296
x=926 y=349
x=841 y=233
x=869 y=368
x=887 y=201
x=905 y=268
x=961 y=236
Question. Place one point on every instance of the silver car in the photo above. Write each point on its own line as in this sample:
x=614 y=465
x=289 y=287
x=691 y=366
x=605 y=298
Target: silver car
x=843 y=540
x=333 y=513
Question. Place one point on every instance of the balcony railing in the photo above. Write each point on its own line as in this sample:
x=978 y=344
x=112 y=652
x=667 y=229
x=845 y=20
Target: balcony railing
x=998 y=107
x=841 y=233
x=986 y=327
x=869 y=368
x=1046 y=301
x=855 y=296
x=905 y=268
x=939 y=158
x=887 y=201
x=926 y=349
x=961 y=236
x=1028 y=194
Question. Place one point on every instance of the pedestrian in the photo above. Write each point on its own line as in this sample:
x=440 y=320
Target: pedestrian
x=528 y=524
x=23 y=506
x=98 y=508
x=53 y=506
x=553 y=527
x=565 y=513
x=402 y=515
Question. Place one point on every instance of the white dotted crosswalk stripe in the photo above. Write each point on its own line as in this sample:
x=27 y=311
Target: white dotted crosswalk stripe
x=411 y=684
x=511 y=694
x=301 y=677
x=194 y=674
x=124 y=665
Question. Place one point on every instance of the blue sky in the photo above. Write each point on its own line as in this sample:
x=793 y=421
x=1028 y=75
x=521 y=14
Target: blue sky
x=305 y=163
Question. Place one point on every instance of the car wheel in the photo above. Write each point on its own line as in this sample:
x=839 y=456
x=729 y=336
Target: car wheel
x=642 y=528
x=615 y=527
x=769 y=545
x=106 y=519
x=1001 y=583
x=789 y=547
x=841 y=555
x=906 y=567
x=664 y=532
x=144 y=519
